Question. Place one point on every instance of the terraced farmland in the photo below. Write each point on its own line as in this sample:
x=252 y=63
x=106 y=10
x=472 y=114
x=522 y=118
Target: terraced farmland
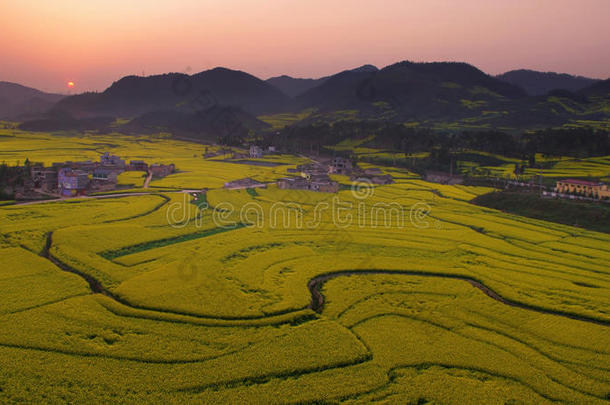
x=193 y=169
x=431 y=300
x=476 y=163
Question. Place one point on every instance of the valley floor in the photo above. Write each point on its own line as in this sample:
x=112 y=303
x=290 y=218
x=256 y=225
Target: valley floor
x=149 y=298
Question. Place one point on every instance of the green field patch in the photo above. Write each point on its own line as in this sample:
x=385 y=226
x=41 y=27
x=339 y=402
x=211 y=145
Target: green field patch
x=141 y=247
x=469 y=304
x=201 y=201
x=590 y=215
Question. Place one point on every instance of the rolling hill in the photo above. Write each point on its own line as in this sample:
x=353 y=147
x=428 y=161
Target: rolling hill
x=540 y=83
x=294 y=87
x=132 y=96
x=442 y=95
x=211 y=124
x=18 y=102
x=599 y=88
x=412 y=90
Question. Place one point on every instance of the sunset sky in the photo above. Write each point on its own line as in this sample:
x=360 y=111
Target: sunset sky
x=46 y=44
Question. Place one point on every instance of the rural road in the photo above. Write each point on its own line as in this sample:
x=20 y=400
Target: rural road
x=84 y=197
x=147 y=181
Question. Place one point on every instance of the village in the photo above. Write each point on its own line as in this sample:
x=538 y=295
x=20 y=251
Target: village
x=316 y=177
x=573 y=189
x=77 y=178
x=71 y=179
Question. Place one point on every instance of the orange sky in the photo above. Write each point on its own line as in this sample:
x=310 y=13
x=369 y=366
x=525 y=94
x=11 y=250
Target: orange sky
x=46 y=43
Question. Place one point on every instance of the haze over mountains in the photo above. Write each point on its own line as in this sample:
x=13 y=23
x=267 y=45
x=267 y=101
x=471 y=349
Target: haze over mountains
x=417 y=88
x=447 y=92
x=533 y=82
x=21 y=102
x=540 y=83
x=135 y=95
x=293 y=87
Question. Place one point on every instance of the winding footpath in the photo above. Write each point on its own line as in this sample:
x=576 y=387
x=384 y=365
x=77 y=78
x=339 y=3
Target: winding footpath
x=83 y=197
x=317 y=298
x=315 y=286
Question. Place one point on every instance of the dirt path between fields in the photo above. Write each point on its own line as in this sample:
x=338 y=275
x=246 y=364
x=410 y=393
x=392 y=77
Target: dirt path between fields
x=101 y=196
x=315 y=288
x=85 y=197
x=98 y=288
x=317 y=298
x=147 y=181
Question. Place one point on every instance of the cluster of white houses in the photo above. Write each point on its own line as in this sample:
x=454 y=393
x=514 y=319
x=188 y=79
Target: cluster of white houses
x=76 y=178
x=315 y=177
x=321 y=183
x=254 y=152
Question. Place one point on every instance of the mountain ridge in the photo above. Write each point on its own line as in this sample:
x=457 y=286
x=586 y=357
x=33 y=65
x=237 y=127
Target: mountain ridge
x=18 y=101
x=294 y=86
x=132 y=96
x=413 y=89
x=454 y=93
x=537 y=83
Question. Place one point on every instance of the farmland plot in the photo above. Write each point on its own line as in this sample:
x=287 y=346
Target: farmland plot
x=108 y=301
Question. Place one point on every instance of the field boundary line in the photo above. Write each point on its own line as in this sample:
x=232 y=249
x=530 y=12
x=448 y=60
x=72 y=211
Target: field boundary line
x=317 y=298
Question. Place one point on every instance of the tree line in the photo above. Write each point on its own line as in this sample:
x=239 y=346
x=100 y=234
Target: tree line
x=574 y=142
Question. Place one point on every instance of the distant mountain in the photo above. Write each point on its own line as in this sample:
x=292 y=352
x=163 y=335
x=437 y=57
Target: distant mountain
x=18 y=102
x=364 y=68
x=211 y=124
x=62 y=121
x=222 y=103
x=599 y=88
x=411 y=90
x=293 y=87
x=133 y=96
x=540 y=83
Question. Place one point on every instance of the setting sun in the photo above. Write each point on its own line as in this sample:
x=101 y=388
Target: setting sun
x=441 y=169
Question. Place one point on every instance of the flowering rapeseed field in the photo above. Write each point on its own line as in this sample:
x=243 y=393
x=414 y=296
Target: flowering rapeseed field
x=463 y=304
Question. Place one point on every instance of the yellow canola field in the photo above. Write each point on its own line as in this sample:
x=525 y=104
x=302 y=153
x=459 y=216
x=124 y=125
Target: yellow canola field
x=192 y=305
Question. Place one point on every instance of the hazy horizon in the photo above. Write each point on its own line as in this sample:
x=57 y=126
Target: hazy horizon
x=48 y=44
